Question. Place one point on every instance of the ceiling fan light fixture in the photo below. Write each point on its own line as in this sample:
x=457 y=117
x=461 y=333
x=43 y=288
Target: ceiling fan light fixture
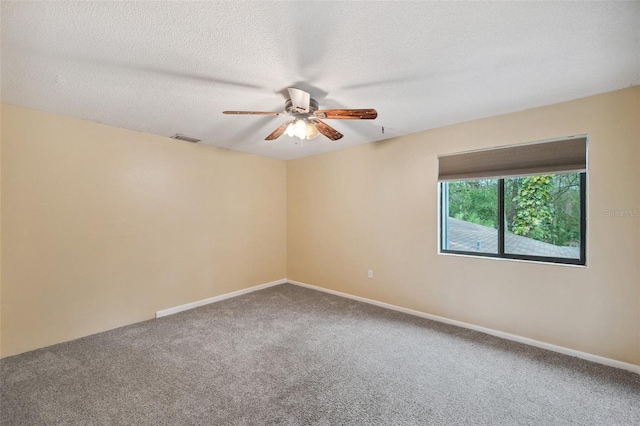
x=289 y=130
x=312 y=131
x=301 y=129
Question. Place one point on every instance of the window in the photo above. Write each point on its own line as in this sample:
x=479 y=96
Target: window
x=538 y=216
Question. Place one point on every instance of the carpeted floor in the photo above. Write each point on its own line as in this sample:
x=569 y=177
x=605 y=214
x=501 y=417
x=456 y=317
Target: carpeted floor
x=292 y=356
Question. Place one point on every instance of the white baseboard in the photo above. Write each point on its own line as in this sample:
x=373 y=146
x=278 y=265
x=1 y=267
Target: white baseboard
x=560 y=349
x=548 y=346
x=187 y=306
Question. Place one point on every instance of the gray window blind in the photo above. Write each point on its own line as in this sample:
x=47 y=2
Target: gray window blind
x=567 y=155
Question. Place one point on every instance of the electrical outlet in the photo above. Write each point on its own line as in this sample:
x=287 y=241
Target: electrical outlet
x=370 y=274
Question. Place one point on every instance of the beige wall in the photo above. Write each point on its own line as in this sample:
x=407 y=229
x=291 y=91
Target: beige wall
x=104 y=226
x=375 y=207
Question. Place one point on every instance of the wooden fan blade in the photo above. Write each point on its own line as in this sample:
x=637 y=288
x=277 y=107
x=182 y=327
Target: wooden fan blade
x=278 y=132
x=347 y=114
x=252 y=112
x=326 y=130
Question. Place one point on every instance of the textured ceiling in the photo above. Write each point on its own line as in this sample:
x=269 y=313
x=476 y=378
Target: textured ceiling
x=173 y=67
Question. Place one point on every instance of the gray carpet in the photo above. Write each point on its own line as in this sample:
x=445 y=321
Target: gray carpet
x=293 y=356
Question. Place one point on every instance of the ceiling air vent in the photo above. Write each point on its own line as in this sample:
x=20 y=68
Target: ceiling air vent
x=185 y=138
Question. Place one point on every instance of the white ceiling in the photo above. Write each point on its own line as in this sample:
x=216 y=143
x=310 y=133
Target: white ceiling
x=173 y=67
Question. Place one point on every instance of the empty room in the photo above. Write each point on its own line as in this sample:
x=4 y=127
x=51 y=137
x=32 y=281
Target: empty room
x=319 y=213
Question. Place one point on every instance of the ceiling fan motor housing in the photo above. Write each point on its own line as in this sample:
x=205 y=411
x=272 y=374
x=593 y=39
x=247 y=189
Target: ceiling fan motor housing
x=288 y=106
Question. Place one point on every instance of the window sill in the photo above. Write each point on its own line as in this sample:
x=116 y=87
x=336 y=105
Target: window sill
x=508 y=259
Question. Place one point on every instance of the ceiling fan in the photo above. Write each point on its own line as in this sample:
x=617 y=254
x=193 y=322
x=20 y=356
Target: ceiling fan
x=306 y=123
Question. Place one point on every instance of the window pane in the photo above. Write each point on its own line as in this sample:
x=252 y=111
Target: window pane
x=542 y=215
x=470 y=216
